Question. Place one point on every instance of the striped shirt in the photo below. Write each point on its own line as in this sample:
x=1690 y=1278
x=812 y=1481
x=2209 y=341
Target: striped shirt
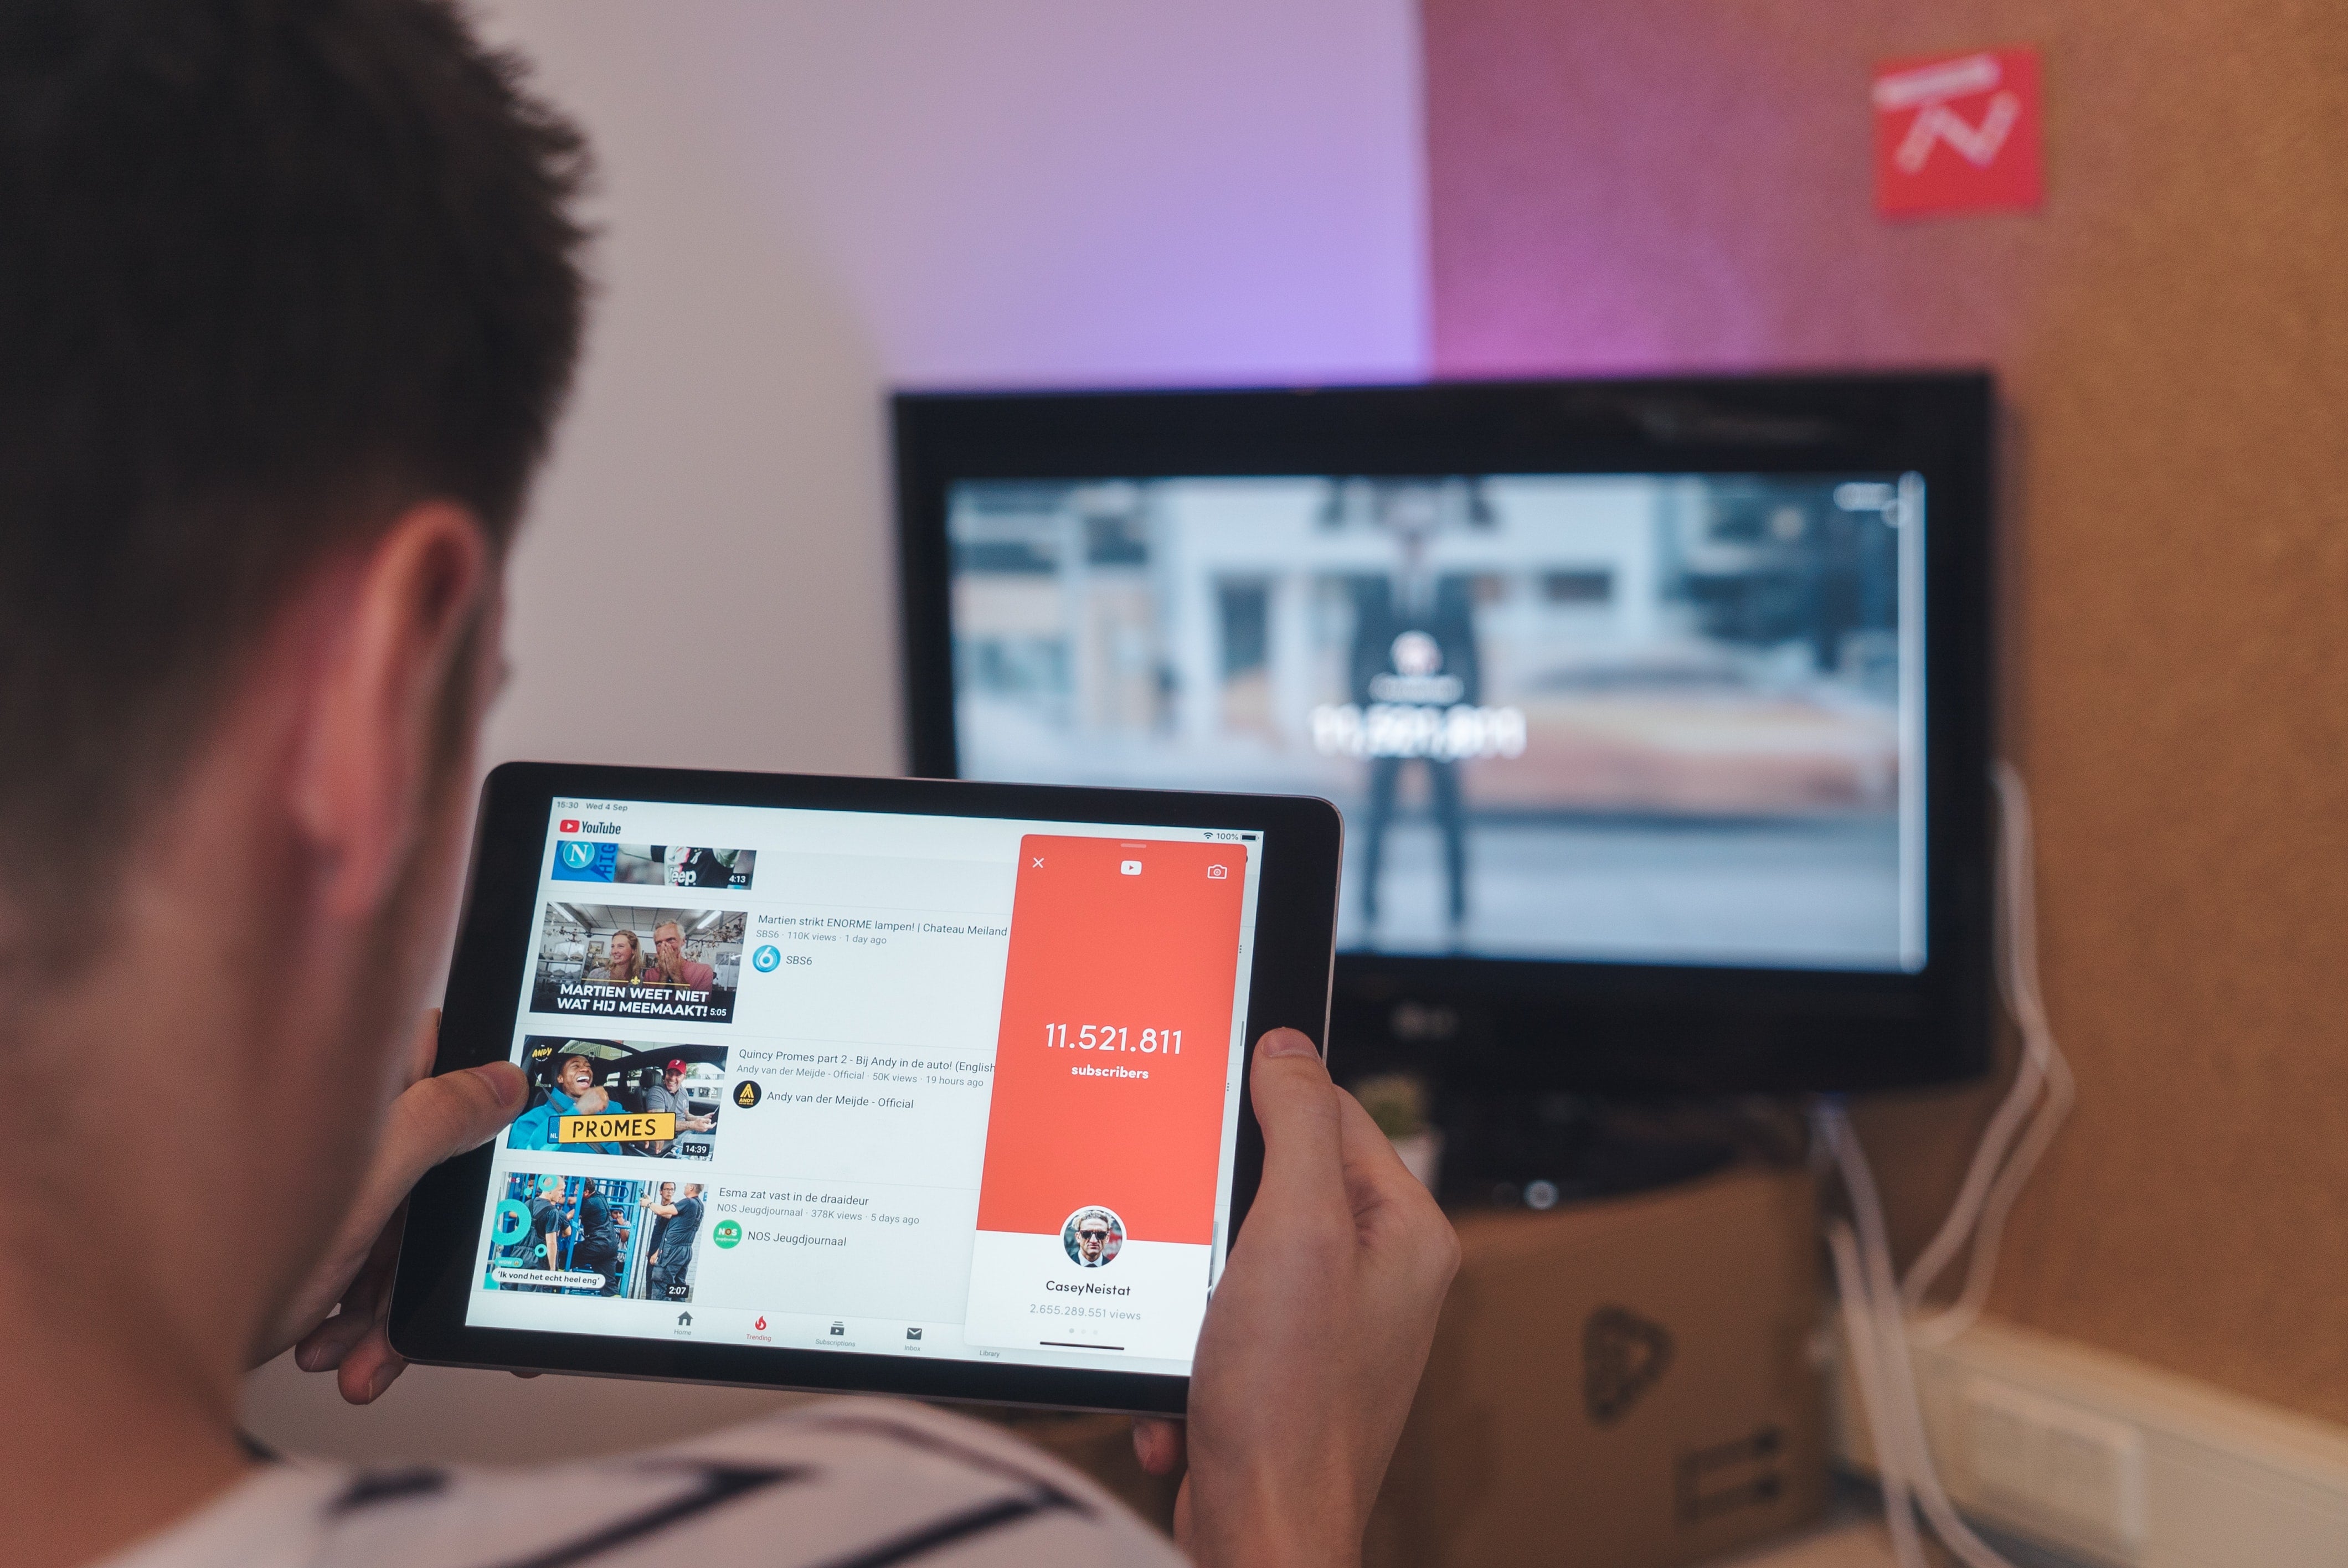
x=840 y=1484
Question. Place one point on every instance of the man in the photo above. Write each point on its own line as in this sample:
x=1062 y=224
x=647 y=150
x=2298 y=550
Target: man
x=547 y=1228
x=574 y=1092
x=626 y=964
x=689 y=867
x=1092 y=1238
x=290 y=293
x=602 y=1237
x=671 y=967
x=669 y=1095
x=1415 y=648
x=680 y=1224
x=660 y=1227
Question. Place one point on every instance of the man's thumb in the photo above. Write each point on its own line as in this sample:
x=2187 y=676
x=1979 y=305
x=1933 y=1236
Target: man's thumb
x=438 y=1117
x=1296 y=1106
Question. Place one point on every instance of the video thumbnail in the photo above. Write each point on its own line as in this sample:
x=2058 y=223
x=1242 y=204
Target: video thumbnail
x=621 y=1097
x=653 y=865
x=630 y=962
x=594 y=1236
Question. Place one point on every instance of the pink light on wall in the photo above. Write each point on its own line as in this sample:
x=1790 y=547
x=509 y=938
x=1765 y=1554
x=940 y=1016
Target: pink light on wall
x=1040 y=192
x=1617 y=186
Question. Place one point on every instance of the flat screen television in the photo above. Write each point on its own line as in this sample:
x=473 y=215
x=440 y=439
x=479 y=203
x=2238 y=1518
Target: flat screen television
x=1659 y=711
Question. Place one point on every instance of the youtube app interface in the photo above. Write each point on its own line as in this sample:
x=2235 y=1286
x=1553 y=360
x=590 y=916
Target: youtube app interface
x=958 y=1087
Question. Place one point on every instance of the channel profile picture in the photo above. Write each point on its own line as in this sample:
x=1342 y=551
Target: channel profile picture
x=1093 y=1237
x=621 y=960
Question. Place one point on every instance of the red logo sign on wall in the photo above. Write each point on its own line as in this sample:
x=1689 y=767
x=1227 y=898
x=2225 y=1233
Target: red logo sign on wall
x=1957 y=133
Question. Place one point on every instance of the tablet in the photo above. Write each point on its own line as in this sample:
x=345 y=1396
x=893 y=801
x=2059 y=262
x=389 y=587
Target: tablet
x=899 y=1085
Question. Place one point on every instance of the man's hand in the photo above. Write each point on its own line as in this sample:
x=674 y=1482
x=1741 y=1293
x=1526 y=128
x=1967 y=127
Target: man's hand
x=1316 y=1335
x=432 y=1119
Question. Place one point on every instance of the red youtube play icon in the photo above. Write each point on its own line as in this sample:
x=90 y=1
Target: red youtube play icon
x=570 y=825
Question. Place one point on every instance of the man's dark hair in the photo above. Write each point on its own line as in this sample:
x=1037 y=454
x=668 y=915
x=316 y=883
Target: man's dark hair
x=271 y=271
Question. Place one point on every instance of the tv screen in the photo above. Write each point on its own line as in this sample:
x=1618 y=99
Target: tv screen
x=1658 y=711
x=1653 y=718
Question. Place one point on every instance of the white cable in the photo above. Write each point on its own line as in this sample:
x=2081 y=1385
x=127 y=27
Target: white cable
x=2002 y=1165
x=1875 y=1305
x=1859 y=1327
x=1902 y=1433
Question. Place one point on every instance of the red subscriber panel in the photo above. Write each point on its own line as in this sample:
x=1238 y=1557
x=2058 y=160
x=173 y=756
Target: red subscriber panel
x=1957 y=133
x=1091 y=945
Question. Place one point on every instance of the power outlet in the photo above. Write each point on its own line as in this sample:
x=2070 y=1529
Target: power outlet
x=2080 y=1474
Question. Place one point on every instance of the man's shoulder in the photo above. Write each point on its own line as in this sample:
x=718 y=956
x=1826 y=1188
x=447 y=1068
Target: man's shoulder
x=842 y=1480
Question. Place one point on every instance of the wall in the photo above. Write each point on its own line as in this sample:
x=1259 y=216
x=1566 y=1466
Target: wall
x=803 y=204
x=1618 y=185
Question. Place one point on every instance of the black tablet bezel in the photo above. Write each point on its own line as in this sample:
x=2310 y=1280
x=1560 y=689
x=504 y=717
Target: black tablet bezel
x=1289 y=984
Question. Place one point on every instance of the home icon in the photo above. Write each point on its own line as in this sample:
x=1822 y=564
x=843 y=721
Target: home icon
x=685 y=1320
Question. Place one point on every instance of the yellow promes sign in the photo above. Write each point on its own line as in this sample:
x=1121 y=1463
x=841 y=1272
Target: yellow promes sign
x=617 y=1129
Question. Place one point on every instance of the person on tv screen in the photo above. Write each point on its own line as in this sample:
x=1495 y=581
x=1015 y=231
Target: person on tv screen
x=624 y=965
x=671 y=967
x=291 y=295
x=668 y=1095
x=1414 y=646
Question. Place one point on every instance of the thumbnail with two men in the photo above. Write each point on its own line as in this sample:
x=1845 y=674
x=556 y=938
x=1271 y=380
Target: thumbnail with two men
x=650 y=1098
x=635 y=961
x=594 y=1236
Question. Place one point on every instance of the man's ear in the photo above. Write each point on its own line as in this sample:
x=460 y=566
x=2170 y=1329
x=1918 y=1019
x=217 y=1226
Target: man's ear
x=378 y=721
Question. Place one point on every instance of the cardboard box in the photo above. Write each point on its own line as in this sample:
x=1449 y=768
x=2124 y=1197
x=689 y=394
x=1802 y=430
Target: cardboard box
x=1625 y=1384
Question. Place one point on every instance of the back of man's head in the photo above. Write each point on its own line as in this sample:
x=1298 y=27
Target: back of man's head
x=270 y=271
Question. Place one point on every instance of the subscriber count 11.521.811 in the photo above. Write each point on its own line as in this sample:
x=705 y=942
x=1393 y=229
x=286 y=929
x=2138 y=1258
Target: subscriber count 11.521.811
x=1097 y=1202
x=1114 y=1037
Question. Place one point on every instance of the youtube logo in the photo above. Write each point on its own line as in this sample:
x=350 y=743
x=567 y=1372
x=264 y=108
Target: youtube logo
x=570 y=825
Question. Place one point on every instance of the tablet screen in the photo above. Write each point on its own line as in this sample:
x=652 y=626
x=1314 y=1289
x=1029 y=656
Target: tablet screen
x=927 y=1086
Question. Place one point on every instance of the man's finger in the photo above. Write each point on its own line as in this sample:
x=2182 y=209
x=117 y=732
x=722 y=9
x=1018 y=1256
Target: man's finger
x=369 y=1369
x=1371 y=1166
x=1296 y=1106
x=1157 y=1444
x=1386 y=1199
x=426 y=1048
x=437 y=1118
x=327 y=1346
